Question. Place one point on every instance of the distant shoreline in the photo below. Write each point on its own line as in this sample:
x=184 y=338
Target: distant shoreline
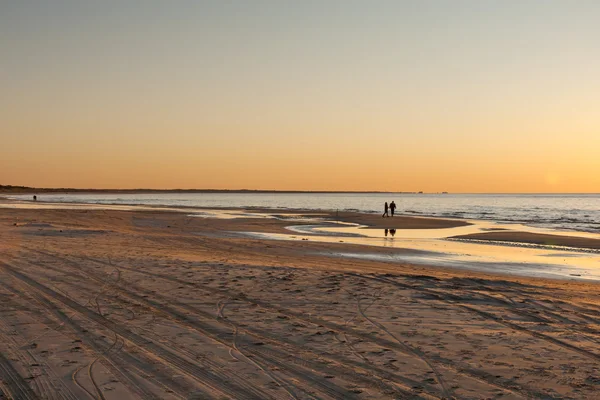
x=30 y=190
x=10 y=189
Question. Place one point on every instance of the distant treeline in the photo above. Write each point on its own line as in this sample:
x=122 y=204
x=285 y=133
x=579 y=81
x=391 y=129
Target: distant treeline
x=10 y=188
x=25 y=189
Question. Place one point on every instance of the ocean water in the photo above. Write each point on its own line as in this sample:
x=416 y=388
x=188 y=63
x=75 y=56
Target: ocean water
x=576 y=212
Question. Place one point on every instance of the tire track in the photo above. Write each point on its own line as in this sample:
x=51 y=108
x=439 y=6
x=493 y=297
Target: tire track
x=39 y=373
x=12 y=383
x=43 y=318
x=142 y=300
x=220 y=309
x=206 y=330
x=551 y=317
x=190 y=369
x=91 y=368
x=172 y=313
x=61 y=390
x=343 y=369
x=476 y=374
x=79 y=385
x=120 y=365
x=464 y=370
x=408 y=348
x=455 y=300
x=46 y=386
x=36 y=382
x=479 y=375
x=361 y=312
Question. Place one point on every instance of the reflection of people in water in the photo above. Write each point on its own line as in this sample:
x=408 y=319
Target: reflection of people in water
x=392 y=232
x=386 y=232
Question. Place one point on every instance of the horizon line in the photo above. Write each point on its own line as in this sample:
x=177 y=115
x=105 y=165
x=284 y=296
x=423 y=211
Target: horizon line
x=28 y=189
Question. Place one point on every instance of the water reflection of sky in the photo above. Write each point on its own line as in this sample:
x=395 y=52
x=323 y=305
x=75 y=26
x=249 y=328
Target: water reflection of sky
x=575 y=212
x=540 y=261
x=415 y=246
x=433 y=247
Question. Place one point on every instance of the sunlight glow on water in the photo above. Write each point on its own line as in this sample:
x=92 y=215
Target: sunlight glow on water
x=415 y=246
x=578 y=212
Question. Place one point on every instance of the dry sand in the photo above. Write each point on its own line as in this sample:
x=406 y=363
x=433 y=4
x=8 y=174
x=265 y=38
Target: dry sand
x=120 y=304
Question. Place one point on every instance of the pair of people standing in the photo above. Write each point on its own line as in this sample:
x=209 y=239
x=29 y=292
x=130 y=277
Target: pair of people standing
x=391 y=208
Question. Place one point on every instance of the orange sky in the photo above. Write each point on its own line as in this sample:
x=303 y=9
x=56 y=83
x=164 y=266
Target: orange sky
x=389 y=96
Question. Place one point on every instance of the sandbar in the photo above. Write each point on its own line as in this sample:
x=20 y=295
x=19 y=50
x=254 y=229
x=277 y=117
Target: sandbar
x=535 y=238
x=376 y=221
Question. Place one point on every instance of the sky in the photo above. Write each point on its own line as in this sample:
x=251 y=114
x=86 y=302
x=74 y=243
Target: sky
x=422 y=95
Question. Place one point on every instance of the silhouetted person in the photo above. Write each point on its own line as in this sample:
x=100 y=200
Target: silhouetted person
x=34 y=198
x=386 y=232
x=392 y=232
x=392 y=207
x=385 y=210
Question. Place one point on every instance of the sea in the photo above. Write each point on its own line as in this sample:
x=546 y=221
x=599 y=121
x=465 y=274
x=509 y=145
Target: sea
x=571 y=212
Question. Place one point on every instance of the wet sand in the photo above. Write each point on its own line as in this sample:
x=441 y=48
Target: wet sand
x=398 y=221
x=535 y=238
x=155 y=304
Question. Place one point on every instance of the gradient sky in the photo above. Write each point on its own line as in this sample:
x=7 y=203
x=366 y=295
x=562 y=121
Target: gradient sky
x=458 y=96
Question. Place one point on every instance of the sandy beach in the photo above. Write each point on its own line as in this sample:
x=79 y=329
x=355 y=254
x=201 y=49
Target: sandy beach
x=109 y=304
